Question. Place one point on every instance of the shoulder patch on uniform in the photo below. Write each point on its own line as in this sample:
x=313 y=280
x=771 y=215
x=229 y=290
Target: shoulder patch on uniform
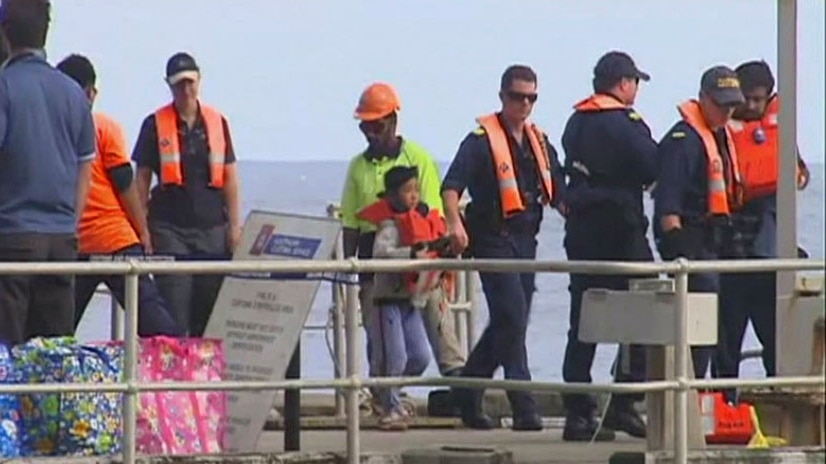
x=678 y=135
x=478 y=131
x=634 y=116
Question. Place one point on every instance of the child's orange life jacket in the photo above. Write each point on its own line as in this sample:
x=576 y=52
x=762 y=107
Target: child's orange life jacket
x=414 y=228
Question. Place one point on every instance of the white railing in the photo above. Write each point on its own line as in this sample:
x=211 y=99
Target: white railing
x=353 y=382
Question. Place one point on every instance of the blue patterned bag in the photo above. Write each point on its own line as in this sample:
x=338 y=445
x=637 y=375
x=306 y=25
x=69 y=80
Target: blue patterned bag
x=69 y=424
x=9 y=405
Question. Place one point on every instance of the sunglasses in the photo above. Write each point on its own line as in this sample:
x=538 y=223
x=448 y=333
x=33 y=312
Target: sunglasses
x=374 y=127
x=520 y=97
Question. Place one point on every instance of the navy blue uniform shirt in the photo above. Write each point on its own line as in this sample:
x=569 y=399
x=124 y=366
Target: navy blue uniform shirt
x=682 y=183
x=46 y=132
x=615 y=147
x=473 y=169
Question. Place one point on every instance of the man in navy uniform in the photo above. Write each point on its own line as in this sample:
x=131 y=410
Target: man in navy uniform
x=510 y=170
x=610 y=159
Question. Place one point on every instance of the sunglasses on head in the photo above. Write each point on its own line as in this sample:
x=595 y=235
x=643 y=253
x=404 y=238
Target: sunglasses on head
x=520 y=96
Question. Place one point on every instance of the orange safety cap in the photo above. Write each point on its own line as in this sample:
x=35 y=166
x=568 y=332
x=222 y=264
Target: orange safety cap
x=377 y=101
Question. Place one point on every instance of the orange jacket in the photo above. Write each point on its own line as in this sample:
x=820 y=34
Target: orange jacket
x=509 y=194
x=724 y=189
x=413 y=228
x=104 y=226
x=166 y=121
x=598 y=102
x=757 y=150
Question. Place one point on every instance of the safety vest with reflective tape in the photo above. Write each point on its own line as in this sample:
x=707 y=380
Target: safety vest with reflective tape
x=169 y=147
x=724 y=190
x=757 y=150
x=511 y=198
x=599 y=102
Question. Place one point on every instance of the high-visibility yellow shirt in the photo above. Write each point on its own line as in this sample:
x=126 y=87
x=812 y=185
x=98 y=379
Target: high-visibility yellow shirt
x=365 y=181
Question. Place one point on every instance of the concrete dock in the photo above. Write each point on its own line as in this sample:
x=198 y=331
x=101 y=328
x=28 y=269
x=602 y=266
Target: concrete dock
x=527 y=447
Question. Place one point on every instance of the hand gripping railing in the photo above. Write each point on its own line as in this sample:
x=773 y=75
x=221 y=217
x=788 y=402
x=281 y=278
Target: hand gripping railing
x=131 y=387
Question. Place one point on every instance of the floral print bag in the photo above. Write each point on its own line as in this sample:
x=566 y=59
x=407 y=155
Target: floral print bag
x=181 y=422
x=69 y=424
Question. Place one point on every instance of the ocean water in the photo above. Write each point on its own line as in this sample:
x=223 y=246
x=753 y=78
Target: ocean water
x=308 y=187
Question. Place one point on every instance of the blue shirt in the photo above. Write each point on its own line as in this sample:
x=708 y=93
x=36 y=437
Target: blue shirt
x=46 y=132
x=609 y=154
x=473 y=169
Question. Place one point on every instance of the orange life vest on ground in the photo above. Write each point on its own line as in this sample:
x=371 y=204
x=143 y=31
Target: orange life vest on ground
x=724 y=190
x=169 y=147
x=757 y=149
x=599 y=102
x=509 y=194
x=413 y=228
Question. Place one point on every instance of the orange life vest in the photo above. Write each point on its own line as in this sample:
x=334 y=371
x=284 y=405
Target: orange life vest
x=509 y=194
x=757 y=149
x=413 y=228
x=169 y=147
x=599 y=102
x=724 y=191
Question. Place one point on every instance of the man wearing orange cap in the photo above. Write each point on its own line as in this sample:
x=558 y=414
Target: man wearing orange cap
x=377 y=112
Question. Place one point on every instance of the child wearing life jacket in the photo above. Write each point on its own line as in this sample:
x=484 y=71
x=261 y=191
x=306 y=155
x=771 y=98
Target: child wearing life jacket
x=407 y=229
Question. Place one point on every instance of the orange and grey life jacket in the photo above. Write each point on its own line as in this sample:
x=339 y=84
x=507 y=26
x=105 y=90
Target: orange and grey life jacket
x=724 y=190
x=757 y=152
x=511 y=198
x=599 y=102
x=169 y=147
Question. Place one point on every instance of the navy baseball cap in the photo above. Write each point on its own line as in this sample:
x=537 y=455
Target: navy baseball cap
x=618 y=65
x=721 y=84
x=181 y=66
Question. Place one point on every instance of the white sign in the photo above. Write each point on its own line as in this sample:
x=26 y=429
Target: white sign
x=260 y=319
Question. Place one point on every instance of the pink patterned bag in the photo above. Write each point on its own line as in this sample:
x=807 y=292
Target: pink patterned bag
x=173 y=423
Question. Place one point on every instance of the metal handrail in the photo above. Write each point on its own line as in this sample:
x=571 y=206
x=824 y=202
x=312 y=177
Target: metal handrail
x=131 y=386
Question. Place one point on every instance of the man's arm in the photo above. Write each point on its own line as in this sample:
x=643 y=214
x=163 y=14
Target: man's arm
x=115 y=159
x=232 y=196
x=461 y=169
x=86 y=151
x=671 y=180
x=147 y=159
x=557 y=178
x=803 y=174
x=642 y=149
x=347 y=211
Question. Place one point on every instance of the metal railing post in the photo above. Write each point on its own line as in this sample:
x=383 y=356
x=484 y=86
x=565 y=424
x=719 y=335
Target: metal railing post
x=338 y=333
x=681 y=357
x=115 y=319
x=473 y=313
x=353 y=348
x=130 y=370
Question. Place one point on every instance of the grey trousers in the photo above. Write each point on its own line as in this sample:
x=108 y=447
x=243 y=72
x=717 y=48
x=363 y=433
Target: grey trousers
x=190 y=298
x=441 y=332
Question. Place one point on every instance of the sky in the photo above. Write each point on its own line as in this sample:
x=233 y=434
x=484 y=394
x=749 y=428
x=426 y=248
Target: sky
x=288 y=74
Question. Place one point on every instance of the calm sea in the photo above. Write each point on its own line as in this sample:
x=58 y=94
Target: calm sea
x=308 y=187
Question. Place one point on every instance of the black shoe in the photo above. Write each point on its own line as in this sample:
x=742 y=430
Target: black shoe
x=625 y=420
x=469 y=403
x=584 y=428
x=527 y=423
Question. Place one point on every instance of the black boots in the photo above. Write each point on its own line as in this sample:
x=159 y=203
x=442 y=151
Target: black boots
x=469 y=403
x=621 y=417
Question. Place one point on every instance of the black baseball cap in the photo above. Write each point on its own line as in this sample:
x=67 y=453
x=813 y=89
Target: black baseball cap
x=618 y=65
x=181 y=66
x=721 y=84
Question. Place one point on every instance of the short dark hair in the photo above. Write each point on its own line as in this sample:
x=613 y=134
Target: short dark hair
x=753 y=74
x=604 y=84
x=516 y=72
x=79 y=68
x=25 y=22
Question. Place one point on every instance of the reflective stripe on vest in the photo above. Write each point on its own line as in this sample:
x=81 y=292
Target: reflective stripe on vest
x=169 y=148
x=599 y=102
x=509 y=194
x=757 y=151
x=722 y=196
